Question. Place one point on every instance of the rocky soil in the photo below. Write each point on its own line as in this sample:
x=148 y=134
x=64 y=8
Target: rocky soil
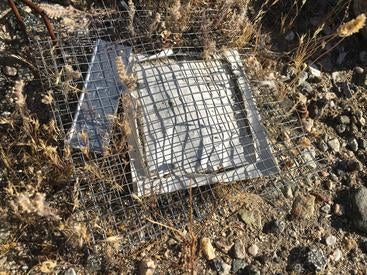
x=319 y=226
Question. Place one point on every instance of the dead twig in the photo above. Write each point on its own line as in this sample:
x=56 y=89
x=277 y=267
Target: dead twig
x=16 y=13
x=38 y=11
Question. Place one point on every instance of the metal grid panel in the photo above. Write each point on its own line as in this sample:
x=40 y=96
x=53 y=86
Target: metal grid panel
x=199 y=90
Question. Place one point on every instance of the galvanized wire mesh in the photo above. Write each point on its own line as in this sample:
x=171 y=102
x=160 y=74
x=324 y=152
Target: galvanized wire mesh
x=151 y=111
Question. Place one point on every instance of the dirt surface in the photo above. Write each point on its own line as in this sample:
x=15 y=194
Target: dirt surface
x=318 y=226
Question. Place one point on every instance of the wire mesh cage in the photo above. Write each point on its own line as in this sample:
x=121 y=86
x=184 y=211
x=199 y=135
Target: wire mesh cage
x=155 y=108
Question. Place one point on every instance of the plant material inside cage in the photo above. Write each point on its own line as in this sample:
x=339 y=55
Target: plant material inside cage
x=190 y=120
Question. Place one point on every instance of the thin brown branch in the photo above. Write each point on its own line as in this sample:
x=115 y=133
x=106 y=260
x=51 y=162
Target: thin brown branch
x=16 y=13
x=44 y=16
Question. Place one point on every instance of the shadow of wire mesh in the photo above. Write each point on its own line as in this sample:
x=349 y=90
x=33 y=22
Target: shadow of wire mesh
x=150 y=110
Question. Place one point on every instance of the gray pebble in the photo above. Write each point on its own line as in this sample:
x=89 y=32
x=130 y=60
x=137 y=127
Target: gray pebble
x=330 y=240
x=306 y=87
x=359 y=205
x=237 y=250
x=238 y=265
x=317 y=259
x=274 y=226
x=221 y=266
x=70 y=271
x=334 y=144
x=362 y=142
x=10 y=71
x=359 y=76
x=344 y=119
x=353 y=144
x=302 y=77
x=322 y=145
x=326 y=208
x=340 y=128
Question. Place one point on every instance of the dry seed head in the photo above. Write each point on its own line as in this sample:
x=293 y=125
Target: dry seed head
x=128 y=79
x=27 y=202
x=77 y=234
x=132 y=11
x=353 y=26
x=47 y=98
x=70 y=73
x=209 y=49
x=18 y=94
x=83 y=135
x=154 y=25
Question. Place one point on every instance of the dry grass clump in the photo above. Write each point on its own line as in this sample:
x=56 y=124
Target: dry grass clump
x=29 y=202
x=77 y=233
x=353 y=26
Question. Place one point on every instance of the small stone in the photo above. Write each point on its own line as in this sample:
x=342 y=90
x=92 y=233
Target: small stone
x=221 y=266
x=253 y=250
x=334 y=144
x=347 y=89
x=303 y=207
x=308 y=124
x=251 y=270
x=329 y=185
x=359 y=76
x=207 y=249
x=5 y=113
x=362 y=121
x=316 y=258
x=10 y=71
x=289 y=192
x=250 y=218
x=358 y=70
x=274 y=226
x=238 y=265
x=326 y=208
x=314 y=73
x=330 y=240
x=309 y=158
x=336 y=76
x=290 y=72
x=338 y=209
x=344 y=119
x=302 y=77
x=321 y=144
x=362 y=142
x=94 y=264
x=353 y=144
x=340 y=128
x=70 y=271
x=147 y=267
x=337 y=255
x=359 y=206
x=237 y=250
x=305 y=87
